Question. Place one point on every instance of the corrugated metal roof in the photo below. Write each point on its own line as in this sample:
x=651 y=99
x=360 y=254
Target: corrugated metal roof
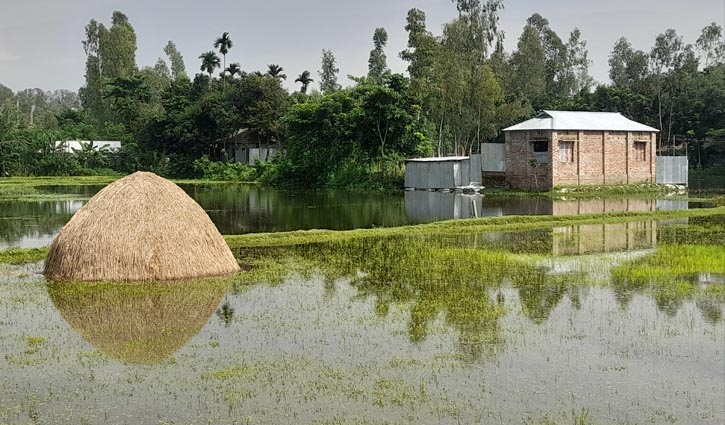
x=438 y=159
x=575 y=120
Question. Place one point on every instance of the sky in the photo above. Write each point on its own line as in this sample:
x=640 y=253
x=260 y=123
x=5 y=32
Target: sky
x=40 y=40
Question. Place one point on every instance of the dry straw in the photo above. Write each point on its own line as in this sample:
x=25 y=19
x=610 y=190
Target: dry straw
x=139 y=228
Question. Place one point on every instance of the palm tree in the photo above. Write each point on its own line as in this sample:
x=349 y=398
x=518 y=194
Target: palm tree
x=223 y=43
x=305 y=79
x=276 y=72
x=234 y=69
x=209 y=62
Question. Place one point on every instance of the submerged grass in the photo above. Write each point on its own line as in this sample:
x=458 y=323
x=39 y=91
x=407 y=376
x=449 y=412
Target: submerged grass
x=673 y=273
x=675 y=262
x=22 y=255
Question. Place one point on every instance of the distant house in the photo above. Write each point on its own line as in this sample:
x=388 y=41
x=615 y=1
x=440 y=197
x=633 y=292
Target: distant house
x=71 y=146
x=246 y=147
x=563 y=148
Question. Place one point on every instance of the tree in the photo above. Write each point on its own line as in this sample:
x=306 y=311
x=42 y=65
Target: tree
x=422 y=46
x=711 y=45
x=627 y=67
x=528 y=64
x=667 y=55
x=387 y=117
x=233 y=69
x=480 y=21
x=178 y=69
x=261 y=101
x=328 y=73
x=6 y=94
x=209 y=62
x=162 y=70
x=224 y=43
x=92 y=156
x=275 y=71
x=576 y=73
x=305 y=80
x=92 y=92
x=118 y=47
x=377 y=63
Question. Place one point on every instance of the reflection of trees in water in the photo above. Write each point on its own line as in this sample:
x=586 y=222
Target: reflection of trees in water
x=34 y=218
x=455 y=284
x=138 y=323
x=711 y=310
x=667 y=288
x=225 y=313
x=441 y=278
x=540 y=293
x=237 y=209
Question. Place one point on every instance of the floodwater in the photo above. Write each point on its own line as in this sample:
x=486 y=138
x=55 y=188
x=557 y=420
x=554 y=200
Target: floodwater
x=539 y=327
x=238 y=209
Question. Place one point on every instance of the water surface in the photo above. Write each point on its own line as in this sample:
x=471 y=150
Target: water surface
x=239 y=209
x=534 y=327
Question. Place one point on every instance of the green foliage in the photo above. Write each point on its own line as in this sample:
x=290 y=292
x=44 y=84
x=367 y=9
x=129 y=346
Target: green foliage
x=377 y=63
x=224 y=171
x=178 y=68
x=305 y=80
x=328 y=73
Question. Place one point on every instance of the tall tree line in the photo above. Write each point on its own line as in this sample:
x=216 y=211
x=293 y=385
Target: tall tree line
x=460 y=90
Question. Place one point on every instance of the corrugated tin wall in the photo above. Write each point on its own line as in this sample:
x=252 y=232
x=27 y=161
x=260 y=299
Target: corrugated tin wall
x=672 y=170
x=492 y=157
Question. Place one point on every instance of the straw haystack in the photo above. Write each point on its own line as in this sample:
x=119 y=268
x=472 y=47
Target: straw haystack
x=138 y=323
x=139 y=228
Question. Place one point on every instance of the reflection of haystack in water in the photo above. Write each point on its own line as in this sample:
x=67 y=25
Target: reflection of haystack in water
x=138 y=323
x=139 y=228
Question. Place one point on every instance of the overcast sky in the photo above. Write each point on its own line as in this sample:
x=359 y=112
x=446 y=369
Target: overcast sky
x=40 y=40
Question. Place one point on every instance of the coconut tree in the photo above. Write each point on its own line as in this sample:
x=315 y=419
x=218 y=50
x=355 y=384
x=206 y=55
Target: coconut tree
x=233 y=69
x=209 y=62
x=276 y=72
x=223 y=43
x=305 y=80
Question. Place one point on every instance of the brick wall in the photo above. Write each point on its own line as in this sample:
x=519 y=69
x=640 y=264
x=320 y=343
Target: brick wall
x=598 y=157
x=519 y=151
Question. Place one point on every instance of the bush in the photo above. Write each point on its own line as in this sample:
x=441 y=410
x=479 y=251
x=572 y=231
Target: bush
x=225 y=171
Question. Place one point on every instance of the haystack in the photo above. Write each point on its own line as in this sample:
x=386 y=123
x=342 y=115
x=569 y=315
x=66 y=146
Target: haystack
x=139 y=228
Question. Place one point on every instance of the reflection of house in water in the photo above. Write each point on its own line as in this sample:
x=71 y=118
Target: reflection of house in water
x=427 y=206
x=600 y=238
x=610 y=237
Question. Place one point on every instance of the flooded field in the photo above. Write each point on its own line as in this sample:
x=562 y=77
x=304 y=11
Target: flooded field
x=610 y=323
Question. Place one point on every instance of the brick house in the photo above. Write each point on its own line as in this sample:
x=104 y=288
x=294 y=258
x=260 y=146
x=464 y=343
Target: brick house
x=563 y=148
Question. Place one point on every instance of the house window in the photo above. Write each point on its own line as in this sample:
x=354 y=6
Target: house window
x=540 y=145
x=640 y=151
x=566 y=151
